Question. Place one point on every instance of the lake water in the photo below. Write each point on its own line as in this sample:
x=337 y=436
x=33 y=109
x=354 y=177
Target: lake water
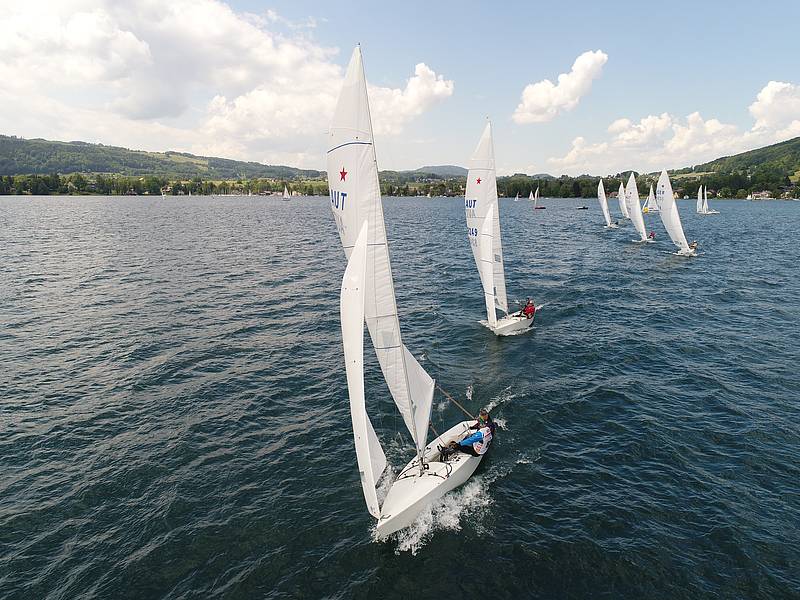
x=175 y=423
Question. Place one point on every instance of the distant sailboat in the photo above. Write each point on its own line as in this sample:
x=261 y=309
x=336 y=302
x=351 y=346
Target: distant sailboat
x=601 y=198
x=635 y=209
x=703 y=206
x=699 y=206
x=651 y=205
x=621 y=199
x=517 y=198
x=483 y=232
x=368 y=293
x=670 y=217
x=536 y=200
x=286 y=195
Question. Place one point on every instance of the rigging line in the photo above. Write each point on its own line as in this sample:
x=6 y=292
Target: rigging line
x=454 y=401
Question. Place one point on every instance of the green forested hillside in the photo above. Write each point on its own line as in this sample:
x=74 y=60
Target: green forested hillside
x=784 y=157
x=26 y=157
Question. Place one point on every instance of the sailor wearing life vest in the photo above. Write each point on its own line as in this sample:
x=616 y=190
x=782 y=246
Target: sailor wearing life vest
x=478 y=443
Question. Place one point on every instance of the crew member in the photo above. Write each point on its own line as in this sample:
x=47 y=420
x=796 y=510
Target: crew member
x=478 y=443
x=529 y=310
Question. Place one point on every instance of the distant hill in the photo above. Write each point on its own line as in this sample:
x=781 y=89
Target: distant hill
x=443 y=171
x=23 y=157
x=783 y=157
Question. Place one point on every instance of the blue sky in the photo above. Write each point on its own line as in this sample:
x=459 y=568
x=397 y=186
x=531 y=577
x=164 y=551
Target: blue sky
x=199 y=76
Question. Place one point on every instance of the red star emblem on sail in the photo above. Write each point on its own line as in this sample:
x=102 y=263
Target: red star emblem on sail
x=479 y=180
x=342 y=174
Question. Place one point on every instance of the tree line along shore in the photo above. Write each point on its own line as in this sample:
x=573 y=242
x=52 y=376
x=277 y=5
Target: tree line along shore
x=685 y=184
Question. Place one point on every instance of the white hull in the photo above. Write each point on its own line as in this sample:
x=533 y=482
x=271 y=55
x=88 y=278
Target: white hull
x=411 y=492
x=511 y=325
x=647 y=241
x=612 y=226
x=686 y=253
x=710 y=212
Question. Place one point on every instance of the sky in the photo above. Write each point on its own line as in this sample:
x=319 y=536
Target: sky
x=570 y=87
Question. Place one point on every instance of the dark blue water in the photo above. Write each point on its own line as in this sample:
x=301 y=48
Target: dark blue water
x=174 y=419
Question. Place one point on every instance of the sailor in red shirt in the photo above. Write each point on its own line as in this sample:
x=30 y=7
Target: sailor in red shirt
x=529 y=309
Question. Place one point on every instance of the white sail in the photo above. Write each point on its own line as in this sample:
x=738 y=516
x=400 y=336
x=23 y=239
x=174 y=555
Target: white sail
x=652 y=205
x=285 y=193
x=621 y=199
x=516 y=199
x=635 y=208
x=669 y=212
x=530 y=196
x=700 y=200
x=601 y=198
x=370 y=456
x=486 y=266
x=705 y=199
x=480 y=195
x=355 y=198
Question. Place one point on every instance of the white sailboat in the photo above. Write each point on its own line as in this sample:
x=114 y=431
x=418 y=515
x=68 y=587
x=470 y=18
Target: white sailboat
x=699 y=206
x=517 y=198
x=286 y=195
x=601 y=198
x=483 y=232
x=706 y=210
x=368 y=294
x=536 y=200
x=670 y=217
x=651 y=205
x=635 y=209
x=621 y=199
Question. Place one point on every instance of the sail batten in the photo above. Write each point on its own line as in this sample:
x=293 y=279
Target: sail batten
x=355 y=198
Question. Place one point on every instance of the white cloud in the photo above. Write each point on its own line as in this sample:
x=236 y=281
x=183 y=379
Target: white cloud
x=544 y=100
x=666 y=141
x=188 y=75
x=777 y=106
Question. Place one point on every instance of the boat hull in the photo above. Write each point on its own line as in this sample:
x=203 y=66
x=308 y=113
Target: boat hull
x=412 y=492
x=511 y=325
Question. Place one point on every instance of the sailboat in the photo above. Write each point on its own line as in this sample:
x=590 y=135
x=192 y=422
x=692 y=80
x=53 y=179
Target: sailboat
x=517 y=198
x=368 y=294
x=621 y=199
x=286 y=195
x=702 y=203
x=483 y=232
x=651 y=205
x=670 y=217
x=536 y=200
x=601 y=198
x=635 y=209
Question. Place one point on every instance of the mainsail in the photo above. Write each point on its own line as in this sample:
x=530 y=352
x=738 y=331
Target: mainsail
x=634 y=208
x=669 y=212
x=652 y=205
x=370 y=456
x=622 y=204
x=480 y=197
x=705 y=199
x=601 y=198
x=355 y=199
x=700 y=200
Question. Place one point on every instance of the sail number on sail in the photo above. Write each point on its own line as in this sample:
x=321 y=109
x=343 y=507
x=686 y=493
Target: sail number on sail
x=338 y=198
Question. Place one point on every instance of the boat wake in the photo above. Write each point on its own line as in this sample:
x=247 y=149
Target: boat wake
x=445 y=514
